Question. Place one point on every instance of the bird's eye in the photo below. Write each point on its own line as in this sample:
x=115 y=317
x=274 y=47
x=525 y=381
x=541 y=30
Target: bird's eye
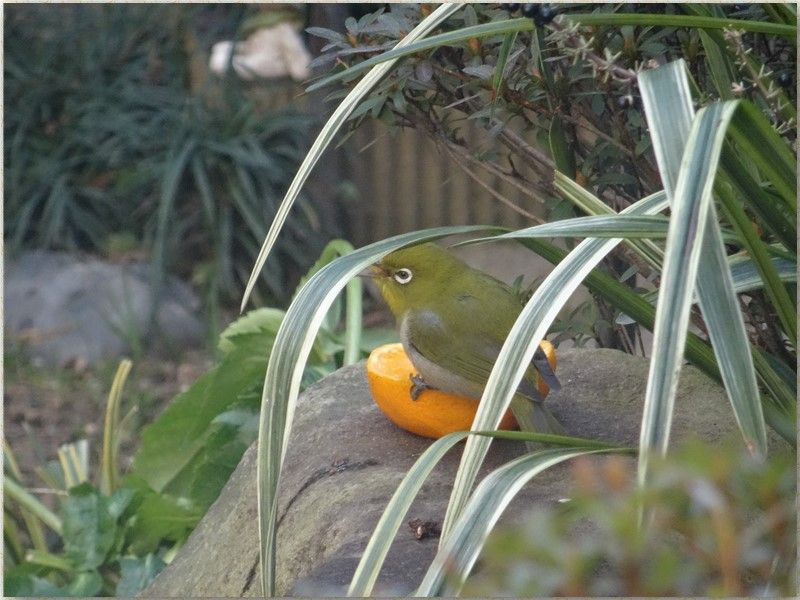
x=403 y=276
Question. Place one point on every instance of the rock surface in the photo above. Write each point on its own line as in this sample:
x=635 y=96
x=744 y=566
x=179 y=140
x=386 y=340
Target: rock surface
x=66 y=309
x=345 y=460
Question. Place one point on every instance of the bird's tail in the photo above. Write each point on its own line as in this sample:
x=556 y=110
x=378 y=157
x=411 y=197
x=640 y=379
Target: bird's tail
x=533 y=416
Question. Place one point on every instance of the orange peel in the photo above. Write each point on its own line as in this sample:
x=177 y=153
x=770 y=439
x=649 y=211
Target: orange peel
x=434 y=413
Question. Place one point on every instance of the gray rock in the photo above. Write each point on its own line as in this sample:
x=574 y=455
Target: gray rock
x=64 y=308
x=345 y=460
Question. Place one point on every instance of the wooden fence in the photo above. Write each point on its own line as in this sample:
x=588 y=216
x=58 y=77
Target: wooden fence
x=399 y=180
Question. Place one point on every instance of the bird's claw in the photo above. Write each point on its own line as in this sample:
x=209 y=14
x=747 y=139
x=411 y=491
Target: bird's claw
x=418 y=386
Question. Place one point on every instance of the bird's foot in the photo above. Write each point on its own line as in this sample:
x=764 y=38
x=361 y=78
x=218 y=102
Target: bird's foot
x=418 y=386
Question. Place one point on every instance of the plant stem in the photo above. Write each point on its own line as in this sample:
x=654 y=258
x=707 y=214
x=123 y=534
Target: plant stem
x=109 y=472
x=18 y=494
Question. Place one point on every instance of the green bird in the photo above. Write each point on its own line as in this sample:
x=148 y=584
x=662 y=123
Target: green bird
x=453 y=320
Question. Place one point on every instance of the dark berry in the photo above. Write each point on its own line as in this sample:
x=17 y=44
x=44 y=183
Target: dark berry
x=510 y=8
x=785 y=79
x=624 y=101
x=530 y=11
x=546 y=14
x=740 y=7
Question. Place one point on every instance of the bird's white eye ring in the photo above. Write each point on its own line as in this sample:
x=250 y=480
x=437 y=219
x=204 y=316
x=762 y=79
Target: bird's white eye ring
x=403 y=276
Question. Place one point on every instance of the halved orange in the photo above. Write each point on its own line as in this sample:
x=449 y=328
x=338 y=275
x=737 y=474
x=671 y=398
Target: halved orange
x=434 y=413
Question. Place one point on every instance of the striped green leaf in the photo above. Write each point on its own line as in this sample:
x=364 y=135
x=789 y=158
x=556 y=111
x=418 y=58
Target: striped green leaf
x=688 y=152
x=630 y=227
x=456 y=557
x=592 y=205
x=747 y=276
x=520 y=345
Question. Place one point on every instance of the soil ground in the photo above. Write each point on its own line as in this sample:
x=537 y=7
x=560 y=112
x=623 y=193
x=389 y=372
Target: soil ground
x=45 y=407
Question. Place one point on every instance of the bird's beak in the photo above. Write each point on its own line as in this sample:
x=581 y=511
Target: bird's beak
x=374 y=272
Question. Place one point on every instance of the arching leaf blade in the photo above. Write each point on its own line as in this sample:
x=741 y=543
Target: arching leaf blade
x=456 y=557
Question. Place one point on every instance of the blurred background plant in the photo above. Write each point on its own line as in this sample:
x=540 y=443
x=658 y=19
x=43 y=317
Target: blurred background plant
x=98 y=524
x=116 y=145
x=723 y=525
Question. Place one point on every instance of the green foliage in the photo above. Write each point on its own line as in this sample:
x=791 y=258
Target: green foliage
x=572 y=75
x=569 y=87
x=723 y=524
x=96 y=539
x=115 y=540
x=110 y=136
x=89 y=527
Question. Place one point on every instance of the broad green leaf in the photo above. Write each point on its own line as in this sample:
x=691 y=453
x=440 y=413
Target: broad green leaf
x=519 y=347
x=22 y=581
x=137 y=573
x=177 y=446
x=88 y=527
x=285 y=371
x=221 y=454
x=458 y=554
x=175 y=441
x=329 y=130
x=694 y=231
x=259 y=320
x=159 y=518
x=393 y=515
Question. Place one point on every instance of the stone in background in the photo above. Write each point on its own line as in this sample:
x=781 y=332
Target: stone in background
x=65 y=309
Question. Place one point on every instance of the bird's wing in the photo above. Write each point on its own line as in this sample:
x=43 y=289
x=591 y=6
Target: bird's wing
x=469 y=352
x=544 y=370
x=463 y=354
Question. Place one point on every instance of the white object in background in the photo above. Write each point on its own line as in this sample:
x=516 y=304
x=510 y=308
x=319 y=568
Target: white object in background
x=269 y=53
